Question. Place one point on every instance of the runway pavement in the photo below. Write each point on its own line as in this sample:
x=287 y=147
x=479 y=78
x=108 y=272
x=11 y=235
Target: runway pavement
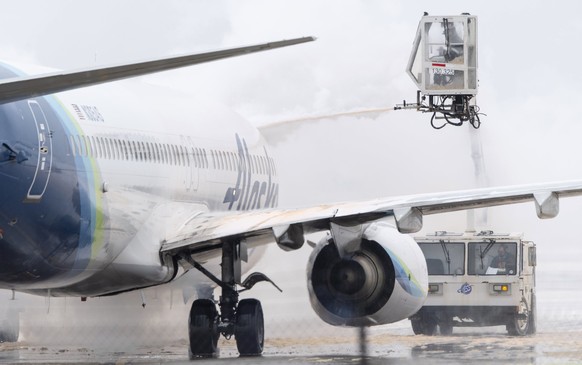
x=385 y=347
x=119 y=331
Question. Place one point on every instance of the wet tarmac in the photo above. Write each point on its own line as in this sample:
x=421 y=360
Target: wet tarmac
x=467 y=346
x=118 y=330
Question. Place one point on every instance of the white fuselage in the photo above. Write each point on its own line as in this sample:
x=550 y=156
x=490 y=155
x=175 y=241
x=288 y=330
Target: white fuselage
x=146 y=161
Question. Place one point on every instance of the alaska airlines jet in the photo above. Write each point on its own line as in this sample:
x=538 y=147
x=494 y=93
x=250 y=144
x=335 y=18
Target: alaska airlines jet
x=115 y=188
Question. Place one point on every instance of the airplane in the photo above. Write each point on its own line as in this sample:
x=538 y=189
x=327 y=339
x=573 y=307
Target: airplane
x=113 y=187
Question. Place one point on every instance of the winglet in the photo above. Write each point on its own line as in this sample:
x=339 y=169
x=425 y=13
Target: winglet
x=27 y=87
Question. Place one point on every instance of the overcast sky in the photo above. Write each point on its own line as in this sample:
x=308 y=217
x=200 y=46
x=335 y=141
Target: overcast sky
x=529 y=82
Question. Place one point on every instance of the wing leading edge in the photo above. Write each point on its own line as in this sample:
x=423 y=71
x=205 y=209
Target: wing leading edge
x=33 y=86
x=206 y=231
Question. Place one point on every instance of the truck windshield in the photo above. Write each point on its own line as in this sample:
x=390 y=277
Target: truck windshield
x=492 y=258
x=444 y=258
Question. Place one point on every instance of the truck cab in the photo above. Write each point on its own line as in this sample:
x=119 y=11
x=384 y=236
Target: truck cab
x=478 y=279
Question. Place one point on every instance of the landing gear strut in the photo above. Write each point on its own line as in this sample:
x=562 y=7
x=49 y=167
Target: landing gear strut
x=243 y=320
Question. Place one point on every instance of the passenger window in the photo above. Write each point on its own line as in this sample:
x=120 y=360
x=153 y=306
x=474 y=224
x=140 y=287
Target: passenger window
x=91 y=142
x=141 y=151
x=72 y=146
x=162 y=154
x=118 y=149
x=98 y=147
x=185 y=155
x=135 y=150
x=110 y=147
x=85 y=145
x=127 y=150
x=166 y=157
x=157 y=152
x=107 y=147
x=90 y=151
x=170 y=155
x=177 y=159
x=196 y=157
x=113 y=154
x=204 y=154
x=147 y=155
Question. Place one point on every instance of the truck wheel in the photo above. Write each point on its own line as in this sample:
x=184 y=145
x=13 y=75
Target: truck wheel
x=422 y=326
x=446 y=329
x=519 y=324
x=430 y=327
x=417 y=326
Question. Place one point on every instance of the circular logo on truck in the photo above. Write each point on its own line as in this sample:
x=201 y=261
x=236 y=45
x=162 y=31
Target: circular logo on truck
x=465 y=289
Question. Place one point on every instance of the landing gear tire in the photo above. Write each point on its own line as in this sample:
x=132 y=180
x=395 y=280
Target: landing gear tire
x=202 y=329
x=519 y=324
x=249 y=331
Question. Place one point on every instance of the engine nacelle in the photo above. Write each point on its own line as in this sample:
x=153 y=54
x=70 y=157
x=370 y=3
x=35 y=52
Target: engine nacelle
x=385 y=281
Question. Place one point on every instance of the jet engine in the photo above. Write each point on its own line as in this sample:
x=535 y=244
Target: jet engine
x=383 y=280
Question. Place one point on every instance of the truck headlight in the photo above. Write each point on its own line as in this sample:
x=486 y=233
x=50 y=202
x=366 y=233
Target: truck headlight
x=501 y=288
x=434 y=288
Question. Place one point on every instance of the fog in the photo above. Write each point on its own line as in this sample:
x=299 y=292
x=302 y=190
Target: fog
x=528 y=89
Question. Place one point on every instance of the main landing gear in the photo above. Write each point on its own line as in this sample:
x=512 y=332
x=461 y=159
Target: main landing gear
x=241 y=319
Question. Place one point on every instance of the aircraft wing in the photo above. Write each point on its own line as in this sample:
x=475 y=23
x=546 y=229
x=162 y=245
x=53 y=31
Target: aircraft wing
x=206 y=231
x=32 y=86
